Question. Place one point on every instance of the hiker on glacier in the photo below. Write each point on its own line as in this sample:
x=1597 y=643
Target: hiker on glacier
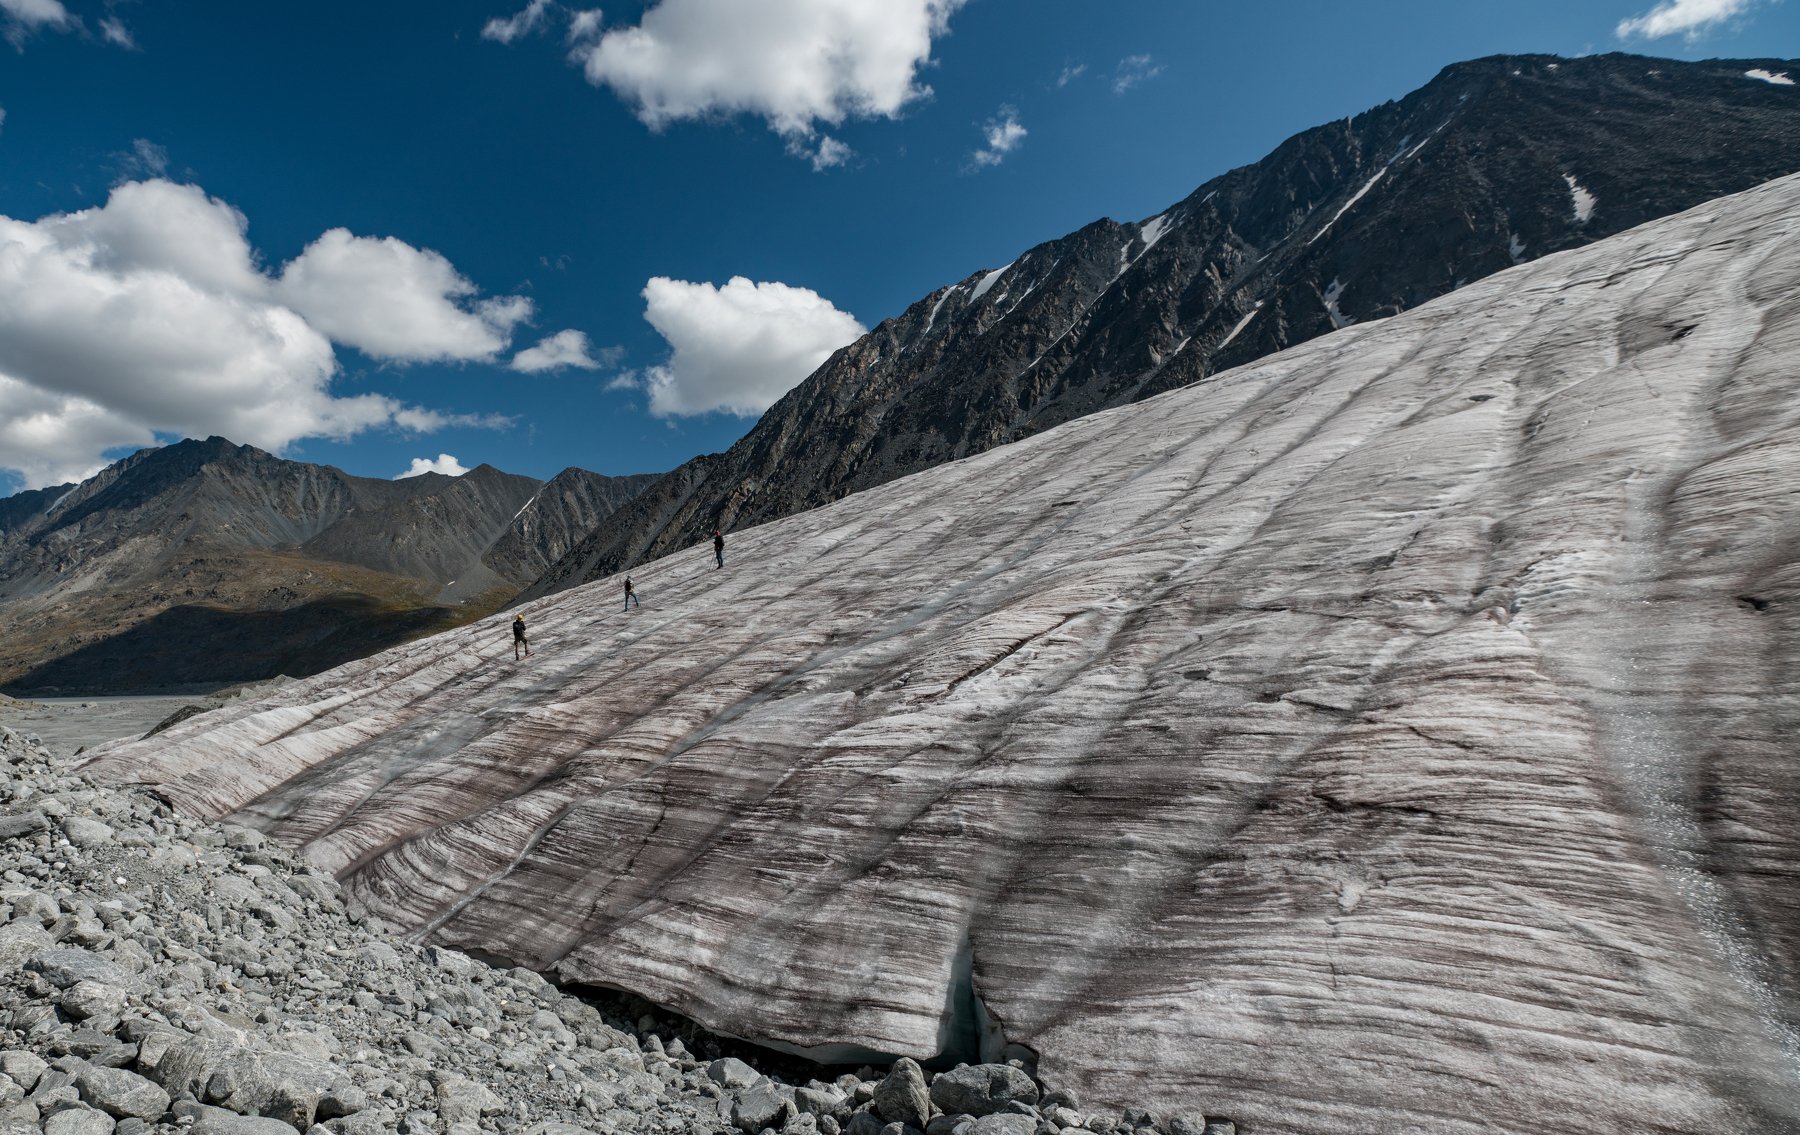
x=519 y=639
x=630 y=595
x=719 y=547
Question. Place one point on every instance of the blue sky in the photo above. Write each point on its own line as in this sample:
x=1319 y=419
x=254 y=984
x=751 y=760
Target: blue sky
x=333 y=229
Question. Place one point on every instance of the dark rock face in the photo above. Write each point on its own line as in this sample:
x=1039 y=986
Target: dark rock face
x=206 y=561
x=559 y=515
x=437 y=533
x=1495 y=162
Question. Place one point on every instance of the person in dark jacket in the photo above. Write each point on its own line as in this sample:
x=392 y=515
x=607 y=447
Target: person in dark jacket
x=519 y=639
x=719 y=547
x=630 y=595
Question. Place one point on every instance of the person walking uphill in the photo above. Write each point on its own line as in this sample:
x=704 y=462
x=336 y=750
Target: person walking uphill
x=519 y=639
x=719 y=547
x=630 y=595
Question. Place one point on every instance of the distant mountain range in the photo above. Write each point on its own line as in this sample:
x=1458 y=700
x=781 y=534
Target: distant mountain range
x=206 y=562
x=1493 y=163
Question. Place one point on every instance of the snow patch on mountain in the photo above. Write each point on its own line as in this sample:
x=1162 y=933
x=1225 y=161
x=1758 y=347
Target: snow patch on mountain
x=1238 y=327
x=1350 y=204
x=1583 y=201
x=1333 y=292
x=988 y=281
x=939 y=305
x=1780 y=78
x=522 y=508
x=1152 y=231
x=1414 y=152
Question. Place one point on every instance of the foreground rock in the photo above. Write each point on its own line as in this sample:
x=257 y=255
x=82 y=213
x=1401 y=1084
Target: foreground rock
x=1393 y=735
x=186 y=976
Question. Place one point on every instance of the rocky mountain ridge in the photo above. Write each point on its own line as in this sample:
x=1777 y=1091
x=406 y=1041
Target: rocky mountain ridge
x=1495 y=162
x=220 y=562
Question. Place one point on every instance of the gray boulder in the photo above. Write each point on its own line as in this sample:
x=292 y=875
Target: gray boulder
x=341 y=1100
x=217 y=1121
x=1008 y=1123
x=153 y=1045
x=376 y=1122
x=26 y=823
x=730 y=1072
x=982 y=1089
x=122 y=1094
x=759 y=1106
x=250 y=1082
x=24 y=1068
x=20 y=940
x=459 y=1099
x=801 y=1123
x=87 y=999
x=819 y=1101
x=65 y=967
x=901 y=1096
x=83 y=832
x=79 y=1121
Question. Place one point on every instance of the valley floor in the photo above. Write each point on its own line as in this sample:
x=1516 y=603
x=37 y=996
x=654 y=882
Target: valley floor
x=66 y=725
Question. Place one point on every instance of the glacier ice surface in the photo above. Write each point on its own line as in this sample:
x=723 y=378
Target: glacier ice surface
x=1394 y=734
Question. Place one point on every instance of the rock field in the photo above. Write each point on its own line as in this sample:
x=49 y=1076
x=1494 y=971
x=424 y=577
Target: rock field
x=160 y=974
x=1395 y=734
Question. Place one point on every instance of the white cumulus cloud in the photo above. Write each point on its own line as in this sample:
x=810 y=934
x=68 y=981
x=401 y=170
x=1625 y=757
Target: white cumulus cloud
x=151 y=227
x=738 y=348
x=144 y=159
x=824 y=154
x=794 y=63
x=563 y=349
x=19 y=18
x=394 y=301
x=49 y=439
x=445 y=464
x=1132 y=70
x=150 y=315
x=114 y=31
x=505 y=29
x=1002 y=135
x=1692 y=18
x=585 y=25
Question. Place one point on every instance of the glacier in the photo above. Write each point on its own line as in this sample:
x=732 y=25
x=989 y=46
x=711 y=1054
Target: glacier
x=1393 y=734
